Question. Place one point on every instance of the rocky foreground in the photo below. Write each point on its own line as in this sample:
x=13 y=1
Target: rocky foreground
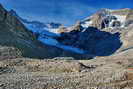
x=26 y=63
x=114 y=72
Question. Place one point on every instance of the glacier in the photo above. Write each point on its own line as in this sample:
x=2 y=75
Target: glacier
x=53 y=42
x=46 y=36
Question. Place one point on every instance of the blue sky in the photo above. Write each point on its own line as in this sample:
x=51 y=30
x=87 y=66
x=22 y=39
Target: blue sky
x=62 y=11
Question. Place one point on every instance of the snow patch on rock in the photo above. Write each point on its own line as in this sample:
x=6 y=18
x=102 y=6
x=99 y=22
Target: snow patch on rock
x=86 y=24
x=121 y=18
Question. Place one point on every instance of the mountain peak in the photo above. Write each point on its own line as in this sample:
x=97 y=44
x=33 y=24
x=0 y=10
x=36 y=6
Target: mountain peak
x=14 y=13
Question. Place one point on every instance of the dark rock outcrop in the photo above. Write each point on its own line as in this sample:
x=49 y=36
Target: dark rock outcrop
x=14 y=35
x=92 y=40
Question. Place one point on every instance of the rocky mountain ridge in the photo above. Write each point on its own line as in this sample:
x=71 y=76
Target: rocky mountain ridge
x=109 y=70
x=37 y=24
x=89 y=32
x=17 y=41
x=84 y=38
x=87 y=37
x=106 y=18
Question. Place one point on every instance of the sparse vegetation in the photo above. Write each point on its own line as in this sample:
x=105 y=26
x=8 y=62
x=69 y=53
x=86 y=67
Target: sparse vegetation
x=16 y=72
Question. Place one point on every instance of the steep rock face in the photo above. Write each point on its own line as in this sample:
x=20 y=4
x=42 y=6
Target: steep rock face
x=92 y=40
x=14 y=35
x=129 y=18
x=85 y=35
x=98 y=18
x=127 y=38
x=106 y=18
x=102 y=34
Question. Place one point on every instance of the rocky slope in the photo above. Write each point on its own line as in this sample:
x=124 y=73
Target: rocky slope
x=86 y=38
x=114 y=72
x=17 y=41
x=106 y=18
x=102 y=34
x=106 y=72
x=14 y=34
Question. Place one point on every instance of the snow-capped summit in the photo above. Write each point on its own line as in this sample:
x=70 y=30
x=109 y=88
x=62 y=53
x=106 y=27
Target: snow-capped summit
x=106 y=18
x=85 y=36
x=37 y=25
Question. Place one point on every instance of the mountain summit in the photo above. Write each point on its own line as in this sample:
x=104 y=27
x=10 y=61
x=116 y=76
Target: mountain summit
x=18 y=41
x=106 y=18
x=15 y=36
x=95 y=33
x=105 y=37
x=86 y=38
